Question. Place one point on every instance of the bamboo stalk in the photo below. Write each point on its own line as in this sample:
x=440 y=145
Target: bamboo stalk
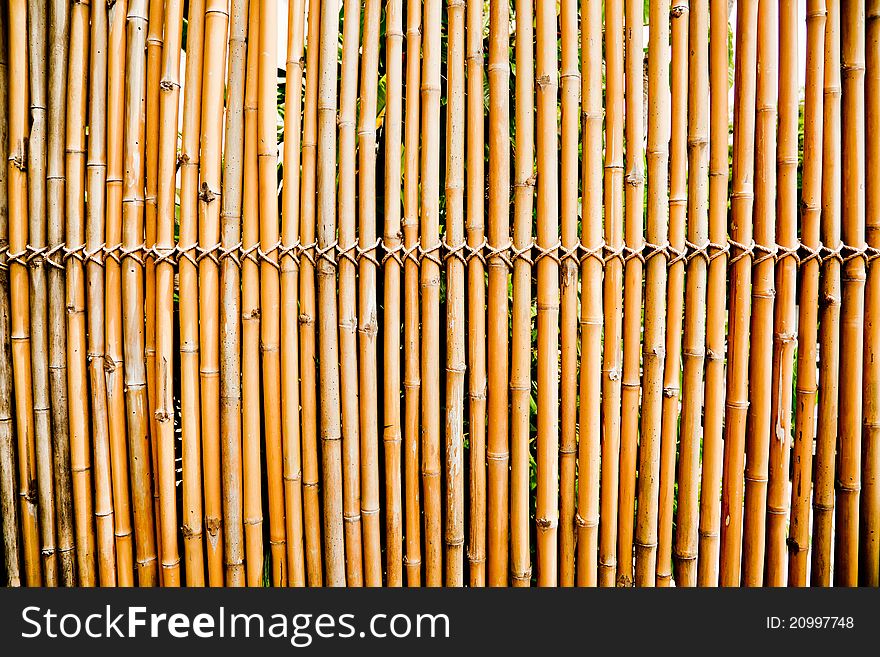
x=758 y=426
x=430 y=291
x=742 y=197
x=786 y=281
x=250 y=318
x=849 y=436
x=348 y=355
x=291 y=445
x=476 y=294
x=808 y=303
x=568 y=210
x=113 y=364
x=653 y=354
x=328 y=343
x=133 y=300
x=455 y=293
x=612 y=292
x=391 y=433
x=589 y=420
x=412 y=372
x=213 y=91
x=188 y=310
x=829 y=318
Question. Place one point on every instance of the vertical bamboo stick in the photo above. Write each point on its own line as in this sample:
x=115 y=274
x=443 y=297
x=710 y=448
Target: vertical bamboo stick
x=290 y=429
x=250 y=318
x=75 y=387
x=348 y=356
x=808 y=302
x=589 y=420
x=213 y=91
x=742 y=197
x=785 y=312
x=653 y=355
x=612 y=292
x=188 y=311
x=829 y=318
x=311 y=504
x=849 y=467
x=111 y=242
x=455 y=313
x=757 y=432
x=430 y=286
x=412 y=373
x=391 y=437
x=568 y=210
x=476 y=276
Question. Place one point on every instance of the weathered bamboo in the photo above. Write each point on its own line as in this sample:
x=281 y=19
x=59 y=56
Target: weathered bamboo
x=391 y=435
x=328 y=343
x=568 y=214
x=250 y=318
x=829 y=318
x=163 y=297
x=852 y=309
x=290 y=427
x=476 y=293
x=348 y=356
x=188 y=310
x=785 y=318
x=742 y=197
x=808 y=302
x=74 y=351
x=653 y=351
x=109 y=245
x=213 y=91
x=589 y=420
x=612 y=291
x=412 y=372
x=430 y=294
x=760 y=341
x=455 y=312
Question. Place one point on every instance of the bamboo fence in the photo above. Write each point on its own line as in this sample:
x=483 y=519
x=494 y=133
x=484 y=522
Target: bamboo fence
x=437 y=293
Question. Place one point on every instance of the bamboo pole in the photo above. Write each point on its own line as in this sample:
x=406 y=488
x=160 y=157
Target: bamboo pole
x=188 y=310
x=758 y=427
x=430 y=292
x=653 y=355
x=348 y=355
x=412 y=372
x=829 y=318
x=37 y=140
x=849 y=450
x=476 y=294
x=786 y=281
x=213 y=91
x=74 y=351
x=133 y=300
x=328 y=343
x=311 y=504
x=742 y=197
x=250 y=318
x=869 y=519
x=808 y=303
x=392 y=264
x=568 y=211
x=612 y=292
x=113 y=364
x=163 y=300
x=589 y=420
x=291 y=444
x=455 y=293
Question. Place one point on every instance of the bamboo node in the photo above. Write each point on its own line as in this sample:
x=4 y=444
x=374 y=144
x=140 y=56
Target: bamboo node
x=206 y=194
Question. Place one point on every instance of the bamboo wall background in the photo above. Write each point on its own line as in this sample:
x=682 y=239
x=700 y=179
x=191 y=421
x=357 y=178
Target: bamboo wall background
x=467 y=293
